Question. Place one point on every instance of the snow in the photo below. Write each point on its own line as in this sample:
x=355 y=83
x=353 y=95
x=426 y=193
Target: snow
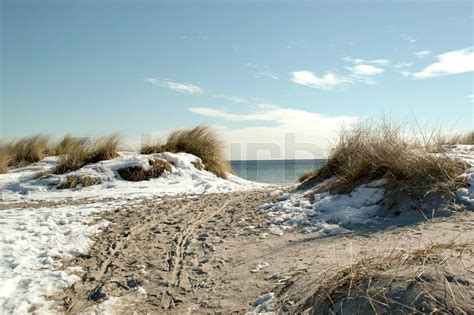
x=466 y=153
x=24 y=185
x=333 y=214
x=33 y=241
x=324 y=212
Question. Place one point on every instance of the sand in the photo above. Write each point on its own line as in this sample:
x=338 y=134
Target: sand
x=215 y=254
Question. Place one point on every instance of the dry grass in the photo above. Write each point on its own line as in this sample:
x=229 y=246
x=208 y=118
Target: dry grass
x=80 y=153
x=74 y=181
x=413 y=282
x=66 y=144
x=369 y=153
x=201 y=142
x=137 y=173
x=27 y=150
x=467 y=138
x=5 y=160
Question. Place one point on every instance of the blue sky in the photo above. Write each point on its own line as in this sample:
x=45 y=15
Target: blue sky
x=257 y=70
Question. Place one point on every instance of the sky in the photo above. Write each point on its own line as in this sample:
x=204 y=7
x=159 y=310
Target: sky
x=276 y=79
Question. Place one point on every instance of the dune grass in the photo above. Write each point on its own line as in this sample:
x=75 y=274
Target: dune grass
x=5 y=160
x=27 y=150
x=392 y=281
x=66 y=144
x=467 y=138
x=368 y=153
x=74 y=181
x=202 y=142
x=79 y=153
x=137 y=173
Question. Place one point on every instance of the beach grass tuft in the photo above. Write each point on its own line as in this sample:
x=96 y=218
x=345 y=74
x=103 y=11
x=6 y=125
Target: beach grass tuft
x=5 y=160
x=79 y=153
x=371 y=152
x=27 y=150
x=200 y=141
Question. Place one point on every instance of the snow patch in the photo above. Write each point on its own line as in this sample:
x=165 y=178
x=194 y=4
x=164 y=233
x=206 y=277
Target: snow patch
x=324 y=212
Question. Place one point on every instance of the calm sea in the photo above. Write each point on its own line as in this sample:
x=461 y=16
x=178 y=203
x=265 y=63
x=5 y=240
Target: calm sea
x=275 y=171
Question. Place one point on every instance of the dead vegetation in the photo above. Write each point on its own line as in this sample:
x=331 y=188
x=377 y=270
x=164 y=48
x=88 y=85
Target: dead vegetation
x=27 y=150
x=369 y=153
x=202 y=142
x=137 y=173
x=437 y=278
x=75 y=181
x=5 y=160
x=467 y=138
x=79 y=153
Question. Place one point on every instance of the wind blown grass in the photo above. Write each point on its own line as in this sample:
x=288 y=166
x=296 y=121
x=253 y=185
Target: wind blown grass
x=27 y=150
x=80 y=153
x=200 y=141
x=368 y=153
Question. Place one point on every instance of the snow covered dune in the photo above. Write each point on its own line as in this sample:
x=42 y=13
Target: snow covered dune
x=34 y=239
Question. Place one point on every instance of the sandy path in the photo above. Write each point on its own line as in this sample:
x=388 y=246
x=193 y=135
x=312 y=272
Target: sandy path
x=213 y=254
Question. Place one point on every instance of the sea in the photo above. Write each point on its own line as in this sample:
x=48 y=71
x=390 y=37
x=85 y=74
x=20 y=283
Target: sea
x=274 y=171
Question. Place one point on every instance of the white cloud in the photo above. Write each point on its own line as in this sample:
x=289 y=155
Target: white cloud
x=363 y=69
x=181 y=87
x=422 y=53
x=452 y=62
x=313 y=132
x=471 y=98
x=326 y=82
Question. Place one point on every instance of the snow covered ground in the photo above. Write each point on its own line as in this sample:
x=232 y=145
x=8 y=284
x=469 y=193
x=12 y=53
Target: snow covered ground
x=466 y=152
x=34 y=240
x=331 y=214
x=24 y=185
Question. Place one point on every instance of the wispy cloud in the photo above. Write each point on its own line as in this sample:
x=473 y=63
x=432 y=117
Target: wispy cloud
x=267 y=75
x=380 y=62
x=471 y=98
x=422 y=54
x=182 y=87
x=195 y=37
x=452 y=62
x=408 y=38
x=312 y=131
x=326 y=82
x=261 y=71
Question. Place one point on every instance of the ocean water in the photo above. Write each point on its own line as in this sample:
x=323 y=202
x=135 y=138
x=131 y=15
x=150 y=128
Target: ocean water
x=275 y=171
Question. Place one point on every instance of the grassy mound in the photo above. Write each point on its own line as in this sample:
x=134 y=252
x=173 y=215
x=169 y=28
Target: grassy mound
x=201 y=142
x=78 y=153
x=137 y=173
x=435 y=279
x=368 y=153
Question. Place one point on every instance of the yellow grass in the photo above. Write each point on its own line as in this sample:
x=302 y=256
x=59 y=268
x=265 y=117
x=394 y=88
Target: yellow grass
x=202 y=142
x=368 y=153
x=5 y=159
x=27 y=150
x=80 y=153
x=65 y=145
x=380 y=282
x=467 y=138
